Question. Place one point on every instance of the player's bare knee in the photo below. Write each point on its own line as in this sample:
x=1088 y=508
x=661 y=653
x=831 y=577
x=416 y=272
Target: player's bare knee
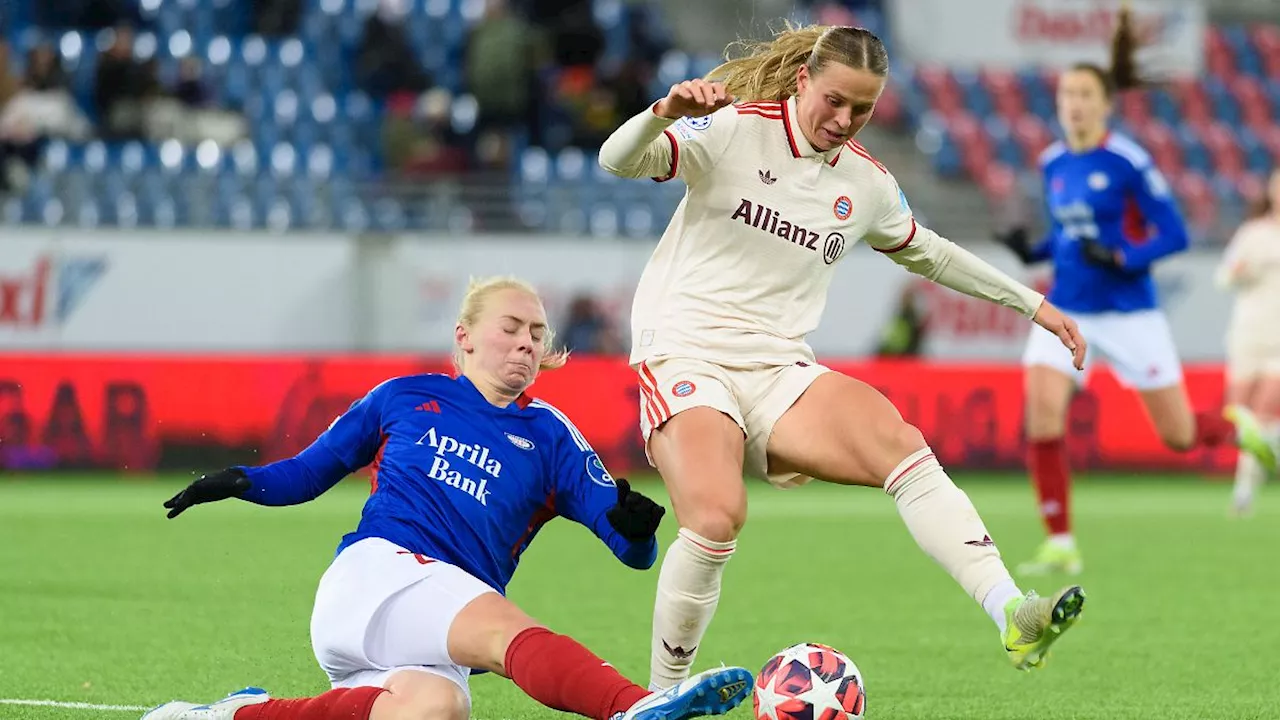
x=896 y=441
x=438 y=701
x=716 y=523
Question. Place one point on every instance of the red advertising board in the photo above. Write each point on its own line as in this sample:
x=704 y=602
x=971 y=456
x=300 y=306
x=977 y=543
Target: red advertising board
x=148 y=412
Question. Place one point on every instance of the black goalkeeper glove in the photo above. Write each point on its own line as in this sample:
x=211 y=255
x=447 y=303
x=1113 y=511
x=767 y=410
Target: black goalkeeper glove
x=1017 y=241
x=635 y=517
x=221 y=485
x=1099 y=254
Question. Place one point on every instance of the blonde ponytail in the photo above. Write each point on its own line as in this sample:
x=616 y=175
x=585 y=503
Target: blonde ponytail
x=766 y=70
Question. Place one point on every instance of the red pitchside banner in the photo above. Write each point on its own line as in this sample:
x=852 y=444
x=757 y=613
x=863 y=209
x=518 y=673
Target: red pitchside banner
x=149 y=412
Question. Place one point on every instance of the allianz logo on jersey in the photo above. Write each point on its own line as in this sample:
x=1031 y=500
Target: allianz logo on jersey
x=768 y=220
x=449 y=453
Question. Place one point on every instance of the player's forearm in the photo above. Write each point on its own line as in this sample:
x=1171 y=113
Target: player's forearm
x=639 y=148
x=1171 y=238
x=942 y=261
x=299 y=479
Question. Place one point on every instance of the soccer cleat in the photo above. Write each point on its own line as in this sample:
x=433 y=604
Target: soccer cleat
x=1250 y=438
x=713 y=692
x=224 y=709
x=1053 y=559
x=1033 y=623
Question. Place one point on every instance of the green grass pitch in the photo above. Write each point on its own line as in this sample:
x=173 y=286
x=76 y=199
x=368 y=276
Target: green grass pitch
x=103 y=601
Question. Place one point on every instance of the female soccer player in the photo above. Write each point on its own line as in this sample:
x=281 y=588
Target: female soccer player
x=778 y=191
x=466 y=471
x=1112 y=217
x=1251 y=267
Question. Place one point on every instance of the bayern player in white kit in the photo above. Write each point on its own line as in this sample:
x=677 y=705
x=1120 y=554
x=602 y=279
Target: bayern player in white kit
x=778 y=192
x=1251 y=269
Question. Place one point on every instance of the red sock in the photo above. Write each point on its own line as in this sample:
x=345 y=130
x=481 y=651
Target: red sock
x=1049 y=471
x=1212 y=429
x=560 y=673
x=339 y=704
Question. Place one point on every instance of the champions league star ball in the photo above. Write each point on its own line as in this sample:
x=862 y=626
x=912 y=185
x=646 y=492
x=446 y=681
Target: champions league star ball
x=809 y=682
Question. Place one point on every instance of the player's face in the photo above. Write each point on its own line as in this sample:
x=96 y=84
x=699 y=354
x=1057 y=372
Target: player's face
x=506 y=341
x=835 y=103
x=1083 y=107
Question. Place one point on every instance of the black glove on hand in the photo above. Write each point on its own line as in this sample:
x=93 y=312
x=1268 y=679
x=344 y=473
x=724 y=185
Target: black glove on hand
x=221 y=485
x=1017 y=241
x=1099 y=254
x=635 y=517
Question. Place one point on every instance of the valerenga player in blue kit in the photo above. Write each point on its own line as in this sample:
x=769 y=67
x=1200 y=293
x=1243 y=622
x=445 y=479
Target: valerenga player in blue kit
x=466 y=470
x=1113 y=217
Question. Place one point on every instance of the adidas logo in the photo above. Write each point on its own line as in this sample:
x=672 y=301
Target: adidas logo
x=766 y=177
x=986 y=541
x=679 y=652
x=431 y=406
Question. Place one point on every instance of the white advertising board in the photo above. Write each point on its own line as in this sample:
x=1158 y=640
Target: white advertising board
x=1046 y=33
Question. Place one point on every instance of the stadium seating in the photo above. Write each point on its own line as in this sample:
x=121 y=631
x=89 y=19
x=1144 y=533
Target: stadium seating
x=314 y=157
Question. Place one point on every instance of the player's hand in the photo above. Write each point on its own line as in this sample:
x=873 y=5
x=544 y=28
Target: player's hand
x=221 y=485
x=635 y=517
x=1101 y=255
x=1052 y=319
x=1018 y=241
x=693 y=98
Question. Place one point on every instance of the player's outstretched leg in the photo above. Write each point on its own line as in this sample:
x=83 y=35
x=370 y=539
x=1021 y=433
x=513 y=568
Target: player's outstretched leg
x=560 y=673
x=254 y=704
x=224 y=709
x=711 y=692
x=1033 y=623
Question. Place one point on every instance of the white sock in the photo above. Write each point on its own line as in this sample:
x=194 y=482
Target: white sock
x=1249 y=475
x=1065 y=541
x=995 y=601
x=688 y=592
x=946 y=526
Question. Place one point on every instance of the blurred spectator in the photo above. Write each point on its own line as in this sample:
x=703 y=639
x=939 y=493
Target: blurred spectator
x=190 y=89
x=86 y=14
x=31 y=111
x=418 y=138
x=503 y=57
x=385 y=61
x=122 y=88
x=903 y=335
x=588 y=329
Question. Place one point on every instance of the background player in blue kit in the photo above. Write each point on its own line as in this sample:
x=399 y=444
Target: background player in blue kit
x=1112 y=216
x=466 y=470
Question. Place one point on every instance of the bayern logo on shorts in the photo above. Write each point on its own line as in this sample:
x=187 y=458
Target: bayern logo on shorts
x=684 y=388
x=843 y=207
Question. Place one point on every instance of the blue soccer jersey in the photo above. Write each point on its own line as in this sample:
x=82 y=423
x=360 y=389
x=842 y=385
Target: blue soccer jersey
x=1115 y=195
x=455 y=477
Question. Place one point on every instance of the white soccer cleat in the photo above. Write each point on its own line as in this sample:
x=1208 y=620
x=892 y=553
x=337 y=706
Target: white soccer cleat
x=224 y=709
x=712 y=692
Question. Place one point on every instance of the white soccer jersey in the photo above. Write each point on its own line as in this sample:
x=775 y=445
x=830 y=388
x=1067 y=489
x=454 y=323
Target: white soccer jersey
x=741 y=274
x=1252 y=267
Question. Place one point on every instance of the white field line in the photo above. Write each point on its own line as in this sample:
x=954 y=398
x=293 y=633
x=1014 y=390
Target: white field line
x=73 y=705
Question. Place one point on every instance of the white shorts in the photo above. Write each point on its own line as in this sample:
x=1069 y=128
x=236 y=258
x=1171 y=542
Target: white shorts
x=381 y=609
x=1245 y=363
x=755 y=396
x=1138 y=346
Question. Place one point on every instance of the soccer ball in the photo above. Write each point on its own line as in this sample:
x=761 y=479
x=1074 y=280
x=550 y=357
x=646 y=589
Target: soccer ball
x=809 y=681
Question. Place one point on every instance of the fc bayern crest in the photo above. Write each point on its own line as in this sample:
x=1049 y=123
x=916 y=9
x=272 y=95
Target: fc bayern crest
x=843 y=208
x=684 y=388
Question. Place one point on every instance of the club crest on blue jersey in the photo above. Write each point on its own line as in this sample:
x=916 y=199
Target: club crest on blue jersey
x=520 y=442
x=597 y=472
